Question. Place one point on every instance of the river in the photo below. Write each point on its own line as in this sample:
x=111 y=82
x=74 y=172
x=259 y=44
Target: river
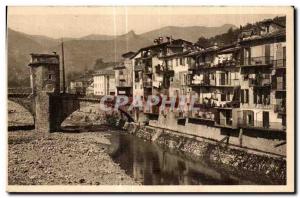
x=151 y=164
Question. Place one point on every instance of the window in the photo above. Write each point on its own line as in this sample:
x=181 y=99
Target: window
x=228 y=96
x=284 y=52
x=50 y=77
x=176 y=61
x=242 y=95
x=247 y=96
x=181 y=61
x=223 y=97
x=235 y=75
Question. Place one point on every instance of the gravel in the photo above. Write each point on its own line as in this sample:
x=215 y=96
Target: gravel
x=62 y=158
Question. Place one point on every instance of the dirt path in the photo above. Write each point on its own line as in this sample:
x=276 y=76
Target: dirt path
x=62 y=158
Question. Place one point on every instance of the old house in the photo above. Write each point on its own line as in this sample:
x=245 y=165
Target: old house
x=123 y=75
x=263 y=80
x=214 y=79
x=81 y=85
x=153 y=68
x=104 y=82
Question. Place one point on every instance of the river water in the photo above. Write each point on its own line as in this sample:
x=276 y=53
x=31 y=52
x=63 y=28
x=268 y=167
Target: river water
x=153 y=165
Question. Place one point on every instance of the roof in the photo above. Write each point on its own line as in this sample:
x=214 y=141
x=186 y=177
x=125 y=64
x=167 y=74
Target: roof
x=198 y=52
x=45 y=55
x=176 y=54
x=104 y=72
x=167 y=43
x=277 y=34
x=128 y=54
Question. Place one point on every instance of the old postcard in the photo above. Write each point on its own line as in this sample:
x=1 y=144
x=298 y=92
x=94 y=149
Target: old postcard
x=150 y=99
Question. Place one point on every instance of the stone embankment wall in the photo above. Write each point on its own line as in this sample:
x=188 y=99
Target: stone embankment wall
x=217 y=153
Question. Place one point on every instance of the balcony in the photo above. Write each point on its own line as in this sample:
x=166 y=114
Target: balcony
x=229 y=105
x=121 y=83
x=279 y=64
x=258 y=61
x=260 y=125
x=227 y=63
x=147 y=84
x=279 y=86
x=256 y=82
x=139 y=67
x=229 y=83
x=280 y=109
x=147 y=71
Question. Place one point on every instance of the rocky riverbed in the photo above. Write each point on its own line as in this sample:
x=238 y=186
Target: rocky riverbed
x=62 y=158
x=68 y=158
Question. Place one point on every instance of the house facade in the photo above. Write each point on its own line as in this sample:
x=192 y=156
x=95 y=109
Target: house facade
x=104 y=83
x=239 y=89
x=123 y=75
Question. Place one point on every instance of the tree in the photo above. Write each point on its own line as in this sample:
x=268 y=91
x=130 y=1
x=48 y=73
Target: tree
x=99 y=64
x=203 y=42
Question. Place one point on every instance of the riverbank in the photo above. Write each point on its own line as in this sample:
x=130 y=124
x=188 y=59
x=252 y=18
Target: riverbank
x=271 y=170
x=62 y=159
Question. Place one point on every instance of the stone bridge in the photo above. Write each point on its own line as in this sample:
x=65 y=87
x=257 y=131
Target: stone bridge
x=50 y=110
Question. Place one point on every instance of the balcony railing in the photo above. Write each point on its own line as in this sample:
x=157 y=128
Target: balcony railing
x=278 y=108
x=232 y=82
x=279 y=86
x=139 y=67
x=259 y=82
x=123 y=84
x=255 y=61
x=147 y=84
x=280 y=63
x=148 y=70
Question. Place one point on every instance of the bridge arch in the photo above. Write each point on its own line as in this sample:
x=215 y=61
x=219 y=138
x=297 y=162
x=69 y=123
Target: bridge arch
x=79 y=109
x=19 y=114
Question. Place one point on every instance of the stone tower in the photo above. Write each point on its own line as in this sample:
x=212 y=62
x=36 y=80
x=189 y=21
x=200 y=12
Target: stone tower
x=45 y=83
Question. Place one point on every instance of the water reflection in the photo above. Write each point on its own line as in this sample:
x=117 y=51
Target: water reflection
x=152 y=165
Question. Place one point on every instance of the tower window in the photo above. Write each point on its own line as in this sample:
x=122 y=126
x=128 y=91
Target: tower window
x=50 y=77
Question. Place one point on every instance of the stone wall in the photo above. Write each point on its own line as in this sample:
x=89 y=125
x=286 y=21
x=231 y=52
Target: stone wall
x=218 y=153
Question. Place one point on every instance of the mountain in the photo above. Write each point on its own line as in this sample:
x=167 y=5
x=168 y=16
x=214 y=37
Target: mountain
x=81 y=53
x=191 y=33
x=97 y=37
x=19 y=46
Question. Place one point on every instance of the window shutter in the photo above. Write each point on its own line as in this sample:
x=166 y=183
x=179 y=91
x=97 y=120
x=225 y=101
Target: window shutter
x=242 y=96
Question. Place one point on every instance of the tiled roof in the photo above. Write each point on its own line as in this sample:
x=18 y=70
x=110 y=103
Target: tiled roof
x=104 y=72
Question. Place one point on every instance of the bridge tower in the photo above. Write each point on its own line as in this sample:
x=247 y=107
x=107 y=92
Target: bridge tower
x=45 y=83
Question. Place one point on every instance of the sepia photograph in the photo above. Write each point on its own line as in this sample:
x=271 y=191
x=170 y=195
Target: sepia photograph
x=150 y=99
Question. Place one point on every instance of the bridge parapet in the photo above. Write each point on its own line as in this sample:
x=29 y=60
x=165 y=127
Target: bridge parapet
x=19 y=90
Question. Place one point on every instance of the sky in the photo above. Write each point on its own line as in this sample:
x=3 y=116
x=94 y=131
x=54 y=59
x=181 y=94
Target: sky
x=57 y=22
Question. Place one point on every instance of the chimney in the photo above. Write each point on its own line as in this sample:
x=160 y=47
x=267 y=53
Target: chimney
x=168 y=39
